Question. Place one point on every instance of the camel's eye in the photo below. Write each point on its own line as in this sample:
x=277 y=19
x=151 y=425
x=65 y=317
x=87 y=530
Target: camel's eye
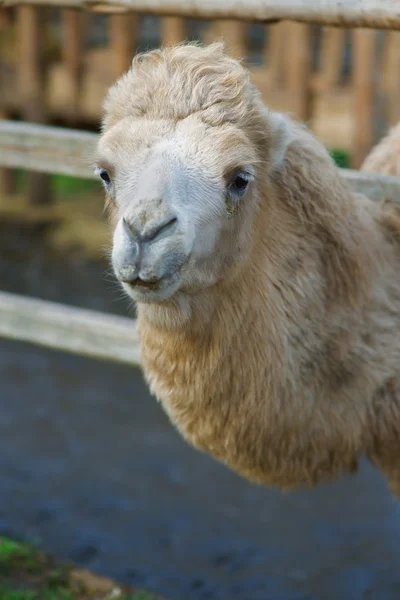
x=239 y=184
x=104 y=176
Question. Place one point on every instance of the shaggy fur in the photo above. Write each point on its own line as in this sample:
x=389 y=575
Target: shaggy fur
x=286 y=367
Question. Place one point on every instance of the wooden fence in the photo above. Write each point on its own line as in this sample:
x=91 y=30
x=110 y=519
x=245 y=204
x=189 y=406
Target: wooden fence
x=44 y=149
x=344 y=83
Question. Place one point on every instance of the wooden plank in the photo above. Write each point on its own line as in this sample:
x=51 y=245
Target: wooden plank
x=274 y=54
x=391 y=75
x=70 y=152
x=233 y=33
x=364 y=44
x=85 y=332
x=72 y=49
x=383 y=14
x=47 y=149
x=332 y=46
x=173 y=31
x=297 y=69
x=123 y=38
x=31 y=86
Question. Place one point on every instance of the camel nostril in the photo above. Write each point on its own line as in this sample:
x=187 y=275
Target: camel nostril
x=162 y=229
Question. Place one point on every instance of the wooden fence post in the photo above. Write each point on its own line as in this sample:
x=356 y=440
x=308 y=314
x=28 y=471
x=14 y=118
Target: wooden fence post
x=8 y=180
x=31 y=24
x=364 y=43
x=274 y=54
x=72 y=49
x=173 y=30
x=332 y=46
x=8 y=177
x=233 y=34
x=391 y=75
x=298 y=69
x=123 y=41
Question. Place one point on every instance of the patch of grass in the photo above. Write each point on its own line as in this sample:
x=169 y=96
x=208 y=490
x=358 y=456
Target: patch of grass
x=9 y=548
x=44 y=594
x=26 y=573
x=341 y=158
x=64 y=184
x=60 y=184
x=14 y=555
x=6 y=594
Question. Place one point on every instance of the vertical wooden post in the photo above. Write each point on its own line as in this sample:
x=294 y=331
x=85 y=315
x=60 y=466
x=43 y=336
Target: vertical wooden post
x=391 y=75
x=8 y=178
x=31 y=23
x=274 y=53
x=298 y=68
x=4 y=17
x=72 y=50
x=363 y=82
x=234 y=35
x=332 y=46
x=123 y=41
x=173 y=31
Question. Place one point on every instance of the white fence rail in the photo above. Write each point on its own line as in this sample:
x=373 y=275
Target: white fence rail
x=75 y=330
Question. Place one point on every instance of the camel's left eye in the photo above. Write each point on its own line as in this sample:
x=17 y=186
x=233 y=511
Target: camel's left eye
x=239 y=184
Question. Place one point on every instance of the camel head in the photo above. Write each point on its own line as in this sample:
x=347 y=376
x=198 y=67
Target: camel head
x=185 y=148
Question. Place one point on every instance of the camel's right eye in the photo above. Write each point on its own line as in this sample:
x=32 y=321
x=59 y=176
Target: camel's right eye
x=103 y=174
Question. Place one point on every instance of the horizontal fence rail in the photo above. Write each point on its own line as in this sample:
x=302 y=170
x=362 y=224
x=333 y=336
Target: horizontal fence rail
x=382 y=14
x=70 y=152
x=47 y=149
x=85 y=332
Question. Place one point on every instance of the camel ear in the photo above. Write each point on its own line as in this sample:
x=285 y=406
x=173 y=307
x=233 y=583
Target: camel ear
x=282 y=136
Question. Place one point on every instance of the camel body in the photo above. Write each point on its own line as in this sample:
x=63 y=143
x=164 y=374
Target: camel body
x=268 y=293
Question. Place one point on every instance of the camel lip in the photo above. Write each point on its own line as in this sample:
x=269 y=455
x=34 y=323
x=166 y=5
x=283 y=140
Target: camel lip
x=154 y=291
x=145 y=285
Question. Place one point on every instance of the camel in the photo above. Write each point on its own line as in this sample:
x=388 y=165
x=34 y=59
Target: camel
x=267 y=292
x=385 y=157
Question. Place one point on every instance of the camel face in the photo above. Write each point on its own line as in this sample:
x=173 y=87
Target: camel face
x=178 y=194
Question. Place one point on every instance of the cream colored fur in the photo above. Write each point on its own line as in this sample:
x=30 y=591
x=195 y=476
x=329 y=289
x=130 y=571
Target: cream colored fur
x=277 y=349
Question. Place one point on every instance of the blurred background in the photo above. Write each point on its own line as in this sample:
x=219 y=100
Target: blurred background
x=90 y=467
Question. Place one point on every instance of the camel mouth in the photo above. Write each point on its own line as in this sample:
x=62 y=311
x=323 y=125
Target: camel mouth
x=145 y=285
x=153 y=291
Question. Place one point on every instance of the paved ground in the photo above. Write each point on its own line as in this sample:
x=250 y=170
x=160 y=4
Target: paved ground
x=91 y=467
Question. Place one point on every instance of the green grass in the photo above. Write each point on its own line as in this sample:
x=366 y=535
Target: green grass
x=44 y=594
x=60 y=184
x=341 y=158
x=26 y=573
